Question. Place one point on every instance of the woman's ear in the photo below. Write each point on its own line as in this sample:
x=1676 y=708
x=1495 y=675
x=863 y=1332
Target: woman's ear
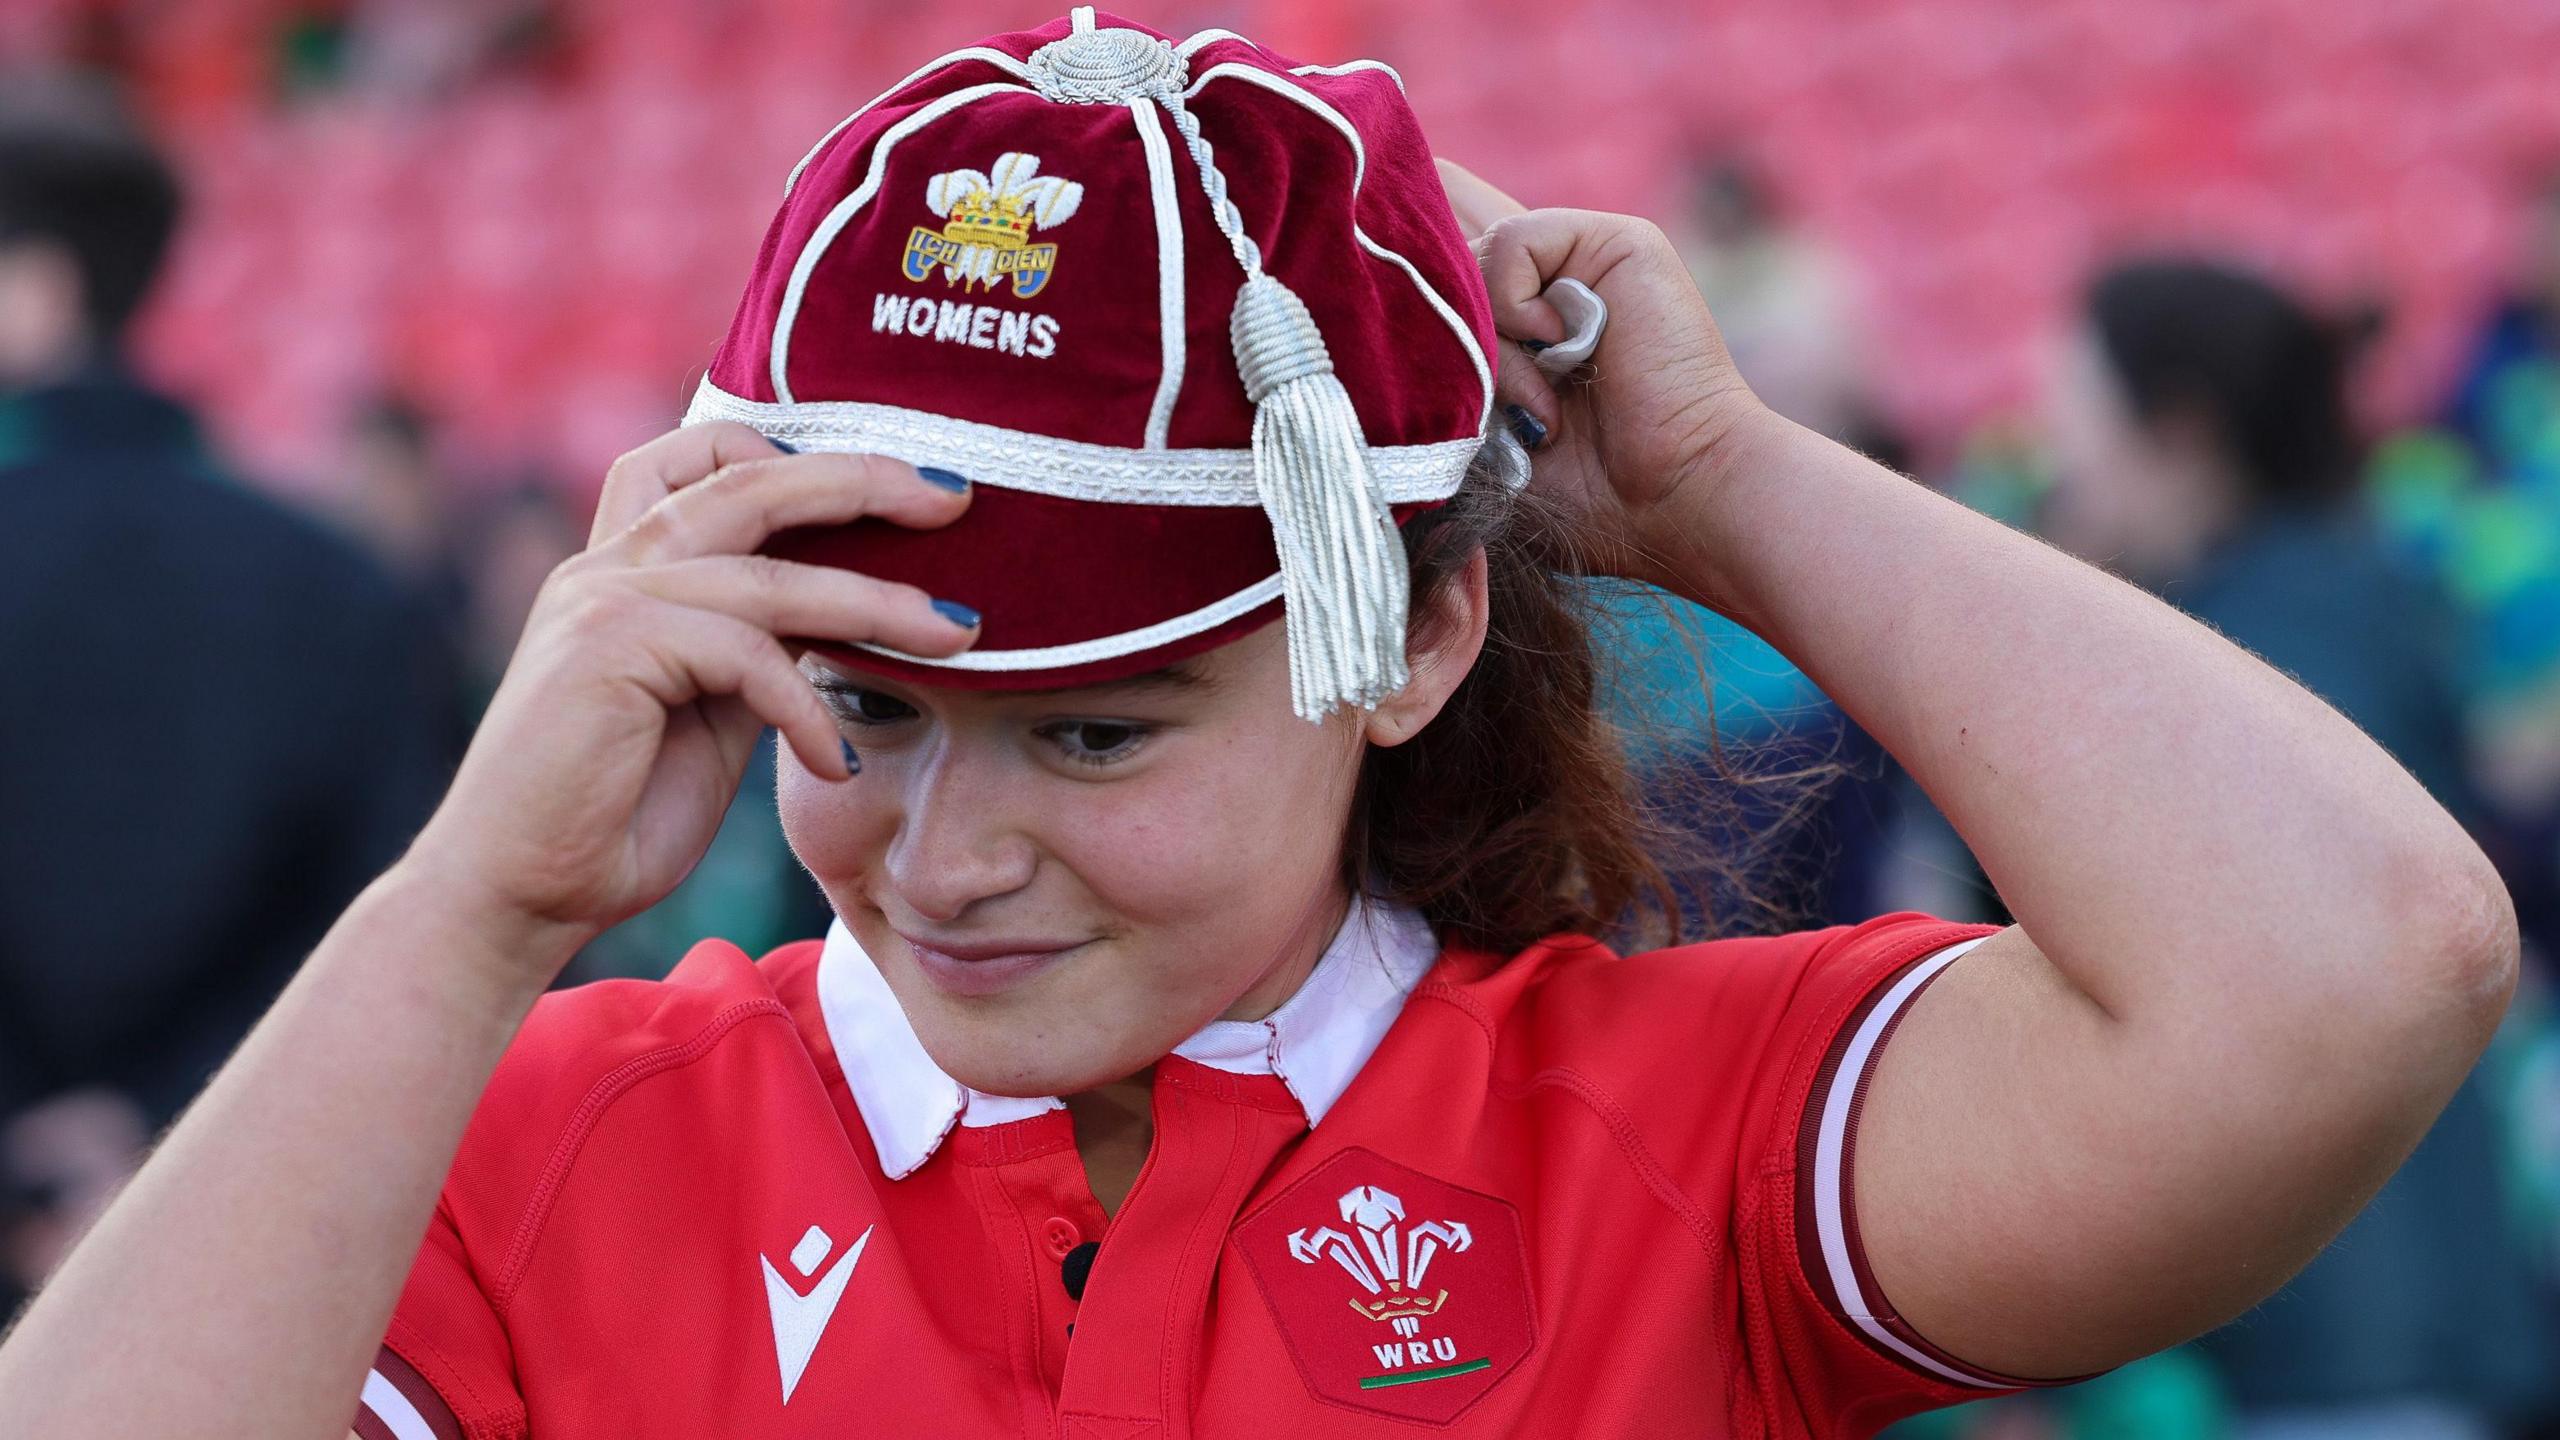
x=1443 y=648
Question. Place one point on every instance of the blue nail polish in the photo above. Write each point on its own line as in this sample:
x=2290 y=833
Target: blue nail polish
x=852 y=762
x=957 y=613
x=1530 y=430
x=785 y=446
x=1535 y=346
x=943 y=478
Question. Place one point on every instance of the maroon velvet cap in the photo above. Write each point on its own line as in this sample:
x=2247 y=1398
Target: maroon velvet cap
x=1012 y=266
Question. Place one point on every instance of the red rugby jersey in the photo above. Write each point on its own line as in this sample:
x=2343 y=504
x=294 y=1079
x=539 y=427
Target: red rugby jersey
x=1562 y=1192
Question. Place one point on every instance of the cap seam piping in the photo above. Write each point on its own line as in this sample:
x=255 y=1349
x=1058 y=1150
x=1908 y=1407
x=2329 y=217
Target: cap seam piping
x=997 y=58
x=1348 y=67
x=842 y=215
x=1199 y=40
x=1350 y=133
x=1170 y=261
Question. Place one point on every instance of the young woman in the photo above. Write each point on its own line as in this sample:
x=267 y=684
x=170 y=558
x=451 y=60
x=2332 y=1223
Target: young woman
x=1183 y=1067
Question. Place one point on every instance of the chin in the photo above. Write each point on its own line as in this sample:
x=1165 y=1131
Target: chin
x=1003 y=1061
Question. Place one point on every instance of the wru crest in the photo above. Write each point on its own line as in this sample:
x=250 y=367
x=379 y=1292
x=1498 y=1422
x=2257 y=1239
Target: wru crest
x=1389 y=1258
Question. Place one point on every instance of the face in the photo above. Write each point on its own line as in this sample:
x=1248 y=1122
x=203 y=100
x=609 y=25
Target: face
x=1061 y=886
x=41 y=325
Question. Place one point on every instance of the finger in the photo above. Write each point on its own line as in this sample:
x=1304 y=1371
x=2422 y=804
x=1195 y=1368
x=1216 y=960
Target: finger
x=1521 y=389
x=1523 y=255
x=1477 y=201
x=702 y=653
x=1516 y=284
x=674 y=460
x=741 y=505
x=735 y=727
x=789 y=599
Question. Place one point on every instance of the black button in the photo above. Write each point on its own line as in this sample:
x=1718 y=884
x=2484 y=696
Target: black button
x=1073 y=1270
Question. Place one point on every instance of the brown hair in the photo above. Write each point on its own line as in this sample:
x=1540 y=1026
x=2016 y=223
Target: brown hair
x=1516 y=813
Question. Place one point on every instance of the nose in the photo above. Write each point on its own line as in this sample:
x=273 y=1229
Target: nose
x=960 y=839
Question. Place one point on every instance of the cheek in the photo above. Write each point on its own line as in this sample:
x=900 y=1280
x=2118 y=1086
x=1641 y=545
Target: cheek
x=840 y=832
x=1207 y=839
x=1258 y=811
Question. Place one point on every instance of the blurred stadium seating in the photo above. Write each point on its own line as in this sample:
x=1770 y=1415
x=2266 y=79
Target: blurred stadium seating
x=542 y=247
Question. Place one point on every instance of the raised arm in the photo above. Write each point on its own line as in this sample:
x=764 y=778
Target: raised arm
x=2253 y=958
x=238 y=1288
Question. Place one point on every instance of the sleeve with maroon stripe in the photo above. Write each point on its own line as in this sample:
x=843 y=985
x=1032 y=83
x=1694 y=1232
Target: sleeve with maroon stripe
x=1806 y=1285
x=445 y=1371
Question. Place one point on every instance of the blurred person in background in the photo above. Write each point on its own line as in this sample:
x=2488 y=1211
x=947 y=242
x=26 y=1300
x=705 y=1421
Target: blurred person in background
x=396 y=502
x=2203 y=450
x=510 y=541
x=221 y=719
x=1782 y=300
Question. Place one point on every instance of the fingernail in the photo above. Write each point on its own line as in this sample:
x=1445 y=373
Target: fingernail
x=852 y=762
x=785 y=446
x=1531 y=431
x=957 y=613
x=943 y=478
x=1534 y=346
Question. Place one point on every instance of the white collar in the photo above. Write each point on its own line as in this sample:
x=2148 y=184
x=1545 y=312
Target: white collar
x=1315 y=1042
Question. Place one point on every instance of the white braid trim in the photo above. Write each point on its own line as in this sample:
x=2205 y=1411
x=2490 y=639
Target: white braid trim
x=1213 y=182
x=1108 y=647
x=1068 y=469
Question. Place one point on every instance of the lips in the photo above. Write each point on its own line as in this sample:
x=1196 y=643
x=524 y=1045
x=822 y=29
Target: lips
x=986 y=967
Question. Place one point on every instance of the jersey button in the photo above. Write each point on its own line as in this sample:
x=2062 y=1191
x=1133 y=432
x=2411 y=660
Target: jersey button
x=1062 y=1235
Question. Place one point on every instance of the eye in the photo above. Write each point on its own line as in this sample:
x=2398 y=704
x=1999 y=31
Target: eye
x=1095 y=742
x=858 y=706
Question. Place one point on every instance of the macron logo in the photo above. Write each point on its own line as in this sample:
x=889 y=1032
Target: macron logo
x=798 y=1320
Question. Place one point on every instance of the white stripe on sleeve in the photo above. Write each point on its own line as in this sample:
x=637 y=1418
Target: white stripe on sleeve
x=393 y=1408
x=1832 y=1145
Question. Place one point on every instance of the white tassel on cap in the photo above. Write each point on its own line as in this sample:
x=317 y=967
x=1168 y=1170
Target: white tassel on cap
x=1341 y=561
x=1342 y=565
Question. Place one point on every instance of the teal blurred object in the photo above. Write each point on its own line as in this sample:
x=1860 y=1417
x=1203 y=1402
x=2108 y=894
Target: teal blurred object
x=2004 y=474
x=2522 y=1069
x=1676 y=673
x=2485 y=526
x=2174 y=1395
x=2418 y=482
x=2521 y=413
